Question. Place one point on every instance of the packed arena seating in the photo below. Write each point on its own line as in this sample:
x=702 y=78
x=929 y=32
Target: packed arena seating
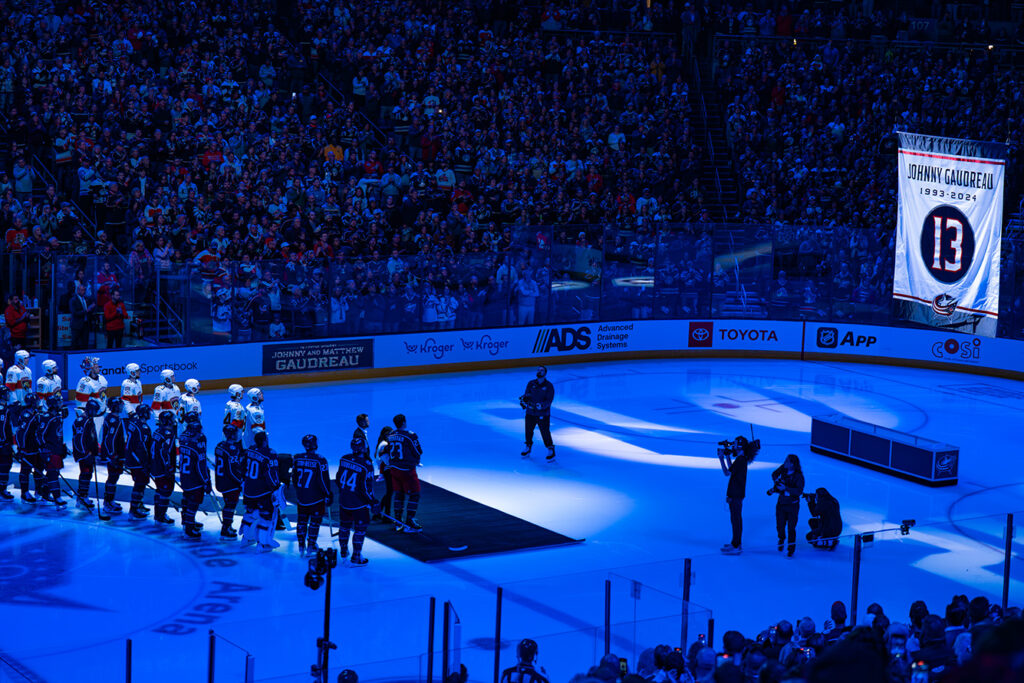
x=384 y=155
x=970 y=640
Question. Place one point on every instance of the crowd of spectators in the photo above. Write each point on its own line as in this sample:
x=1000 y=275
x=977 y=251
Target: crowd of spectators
x=195 y=133
x=970 y=640
x=318 y=161
x=811 y=127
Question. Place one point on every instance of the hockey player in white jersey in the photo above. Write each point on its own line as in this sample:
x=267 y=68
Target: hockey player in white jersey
x=189 y=403
x=131 y=388
x=234 y=411
x=19 y=382
x=92 y=385
x=255 y=420
x=50 y=385
x=167 y=394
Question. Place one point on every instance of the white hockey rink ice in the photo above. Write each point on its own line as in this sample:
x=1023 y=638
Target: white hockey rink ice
x=636 y=475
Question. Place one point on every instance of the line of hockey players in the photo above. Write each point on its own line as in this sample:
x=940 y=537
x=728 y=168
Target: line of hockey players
x=115 y=432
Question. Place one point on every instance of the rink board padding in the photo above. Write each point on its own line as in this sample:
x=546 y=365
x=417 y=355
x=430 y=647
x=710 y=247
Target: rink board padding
x=455 y=526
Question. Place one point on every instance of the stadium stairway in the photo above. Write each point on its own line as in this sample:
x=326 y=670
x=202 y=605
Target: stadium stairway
x=718 y=177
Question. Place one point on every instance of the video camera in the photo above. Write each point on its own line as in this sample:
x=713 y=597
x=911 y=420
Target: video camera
x=729 y=450
x=738 y=445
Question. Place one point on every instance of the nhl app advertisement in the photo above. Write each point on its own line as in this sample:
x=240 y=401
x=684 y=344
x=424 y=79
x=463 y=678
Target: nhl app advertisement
x=948 y=232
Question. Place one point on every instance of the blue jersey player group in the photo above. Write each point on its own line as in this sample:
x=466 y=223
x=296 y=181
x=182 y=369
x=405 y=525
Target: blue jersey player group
x=117 y=432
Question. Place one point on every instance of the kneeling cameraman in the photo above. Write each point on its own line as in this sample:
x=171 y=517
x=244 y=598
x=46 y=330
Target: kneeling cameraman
x=826 y=523
x=734 y=457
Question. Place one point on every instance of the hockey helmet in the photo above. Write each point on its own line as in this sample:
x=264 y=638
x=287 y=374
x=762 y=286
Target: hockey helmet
x=114 y=405
x=49 y=367
x=260 y=438
x=31 y=401
x=526 y=651
x=54 y=404
x=255 y=395
x=143 y=411
x=235 y=392
x=133 y=370
x=167 y=376
x=348 y=676
x=309 y=442
x=92 y=407
x=21 y=357
x=357 y=446
x=94 y=364
x=363 y=421
x=192 y=386
x=166 y=419
x=192 y=419
x=230 y=432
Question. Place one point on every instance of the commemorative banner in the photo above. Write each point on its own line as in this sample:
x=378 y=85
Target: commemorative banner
x=949 y=225
x=315 y=356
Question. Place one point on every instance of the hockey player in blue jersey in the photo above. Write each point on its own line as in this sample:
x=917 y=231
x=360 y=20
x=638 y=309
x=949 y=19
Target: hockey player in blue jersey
x=138 y=443
x=355 y=500
x=258 y=488
x=311 y=480
x=6 y=444
x=112 y=453
x=26 y=438
x=536 y=401
x=229 y=461
x=85 y=448
x=195 y=474
x=405 y=451
x=163 y=464
x=51 y=439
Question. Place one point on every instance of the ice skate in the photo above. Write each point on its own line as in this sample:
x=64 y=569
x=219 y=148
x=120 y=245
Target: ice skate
x=730 y=549
x=6 y=495
x=358 y=560
x=84 y=504
x=227 y=533
x=551 y=454
x=27 y=497
x=527 y=447
x=411 y=526
x=112 y=508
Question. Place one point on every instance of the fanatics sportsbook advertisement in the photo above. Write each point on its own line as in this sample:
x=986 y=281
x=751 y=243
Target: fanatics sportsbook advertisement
x=948 y=232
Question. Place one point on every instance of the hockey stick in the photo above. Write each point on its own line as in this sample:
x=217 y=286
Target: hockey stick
x=428 y=536
x=330 y=522
x=72 y=493
x=99 y=503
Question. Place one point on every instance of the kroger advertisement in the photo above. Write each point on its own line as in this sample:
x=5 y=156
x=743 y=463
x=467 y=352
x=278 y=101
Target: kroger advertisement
x=772 y=338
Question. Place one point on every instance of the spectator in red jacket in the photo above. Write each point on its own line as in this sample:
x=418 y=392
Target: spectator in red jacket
x=114 y=315
x=17 y=316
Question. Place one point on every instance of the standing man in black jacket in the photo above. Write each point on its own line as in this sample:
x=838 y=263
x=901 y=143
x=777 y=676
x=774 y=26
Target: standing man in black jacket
x=789 y=484
x=734 y=464
x=536 y=400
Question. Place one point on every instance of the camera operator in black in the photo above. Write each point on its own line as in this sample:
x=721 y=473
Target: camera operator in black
x=113 y=442
x=6 y=445
x=826 y=522
x=735 y=458
x=162 y=465
x=229 y=460
x=51 y=438
x=84 y=448
x=138 y=438
x=195 y=474
x=26 y=436
x=311 y=480
x=789 y=485
x=536 y=400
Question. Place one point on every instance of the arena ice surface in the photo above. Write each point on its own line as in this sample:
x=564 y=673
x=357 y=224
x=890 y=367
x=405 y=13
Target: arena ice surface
x=636 y=475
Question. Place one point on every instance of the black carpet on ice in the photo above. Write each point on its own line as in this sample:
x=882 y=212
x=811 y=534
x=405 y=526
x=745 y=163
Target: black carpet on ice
x=455 y=526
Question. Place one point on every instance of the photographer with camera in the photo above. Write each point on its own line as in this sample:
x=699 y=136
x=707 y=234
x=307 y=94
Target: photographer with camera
x=826 y=522
x=735 y=456
x=789 y=485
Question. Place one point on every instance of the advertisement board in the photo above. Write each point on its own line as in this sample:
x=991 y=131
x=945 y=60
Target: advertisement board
x=317 y=356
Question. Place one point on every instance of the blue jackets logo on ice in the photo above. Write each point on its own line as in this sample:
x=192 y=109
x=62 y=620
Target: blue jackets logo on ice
x=562 y=339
